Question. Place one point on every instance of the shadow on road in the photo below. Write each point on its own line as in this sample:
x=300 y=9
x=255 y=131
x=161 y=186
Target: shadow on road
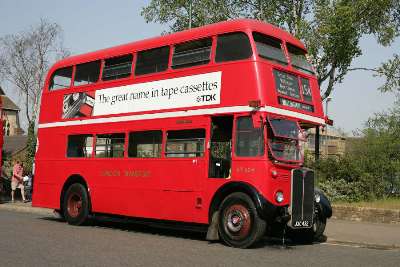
x=284 y=243
x=154 y=228
x=177 y=230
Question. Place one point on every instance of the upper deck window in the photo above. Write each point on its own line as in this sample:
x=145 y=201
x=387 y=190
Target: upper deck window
x=151 y=61
x=192 y=53
x=299 y=60
x=87 y=73
x=61 y=79
x=269 y=48
x=117 y=68
x=233 y=46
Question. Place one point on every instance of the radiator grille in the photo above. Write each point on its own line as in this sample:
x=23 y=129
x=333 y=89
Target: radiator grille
x=302 y=202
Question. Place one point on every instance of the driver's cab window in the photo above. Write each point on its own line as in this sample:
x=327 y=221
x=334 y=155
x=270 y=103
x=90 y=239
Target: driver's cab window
x=284 y=137
x=249 y=140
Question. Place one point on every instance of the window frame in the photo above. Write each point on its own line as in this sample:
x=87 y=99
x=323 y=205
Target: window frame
x=83 y=63
x=80 y=134
x=195 y=63
x=235 y=140
x=103 y=66
x=215 y=48
x=271 y=60
x=290 y=46
x=198 y=154
x=271 y=118
x=51 y=80
x=147 y=50
x=96 y=135
x=142 y=131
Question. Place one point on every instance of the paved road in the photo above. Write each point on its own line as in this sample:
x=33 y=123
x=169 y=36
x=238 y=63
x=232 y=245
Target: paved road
x=36 y=240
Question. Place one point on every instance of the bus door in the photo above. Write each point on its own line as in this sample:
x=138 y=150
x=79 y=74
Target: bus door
x=220 y=160
x=183 y=169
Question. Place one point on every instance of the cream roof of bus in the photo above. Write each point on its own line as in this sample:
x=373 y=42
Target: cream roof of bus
x=195 y=33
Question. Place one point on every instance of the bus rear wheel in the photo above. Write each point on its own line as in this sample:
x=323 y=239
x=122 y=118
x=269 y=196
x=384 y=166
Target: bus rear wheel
x=239 y=223
x=76 y=204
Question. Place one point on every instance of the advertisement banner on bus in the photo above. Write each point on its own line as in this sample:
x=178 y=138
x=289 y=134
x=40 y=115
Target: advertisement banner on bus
x=188 y=91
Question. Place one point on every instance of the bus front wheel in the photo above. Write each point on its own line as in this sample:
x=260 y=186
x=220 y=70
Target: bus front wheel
x=76 y=204
x=239 y=223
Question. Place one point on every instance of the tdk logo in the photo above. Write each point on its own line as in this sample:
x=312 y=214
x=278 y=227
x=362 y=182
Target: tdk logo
x=206 y=98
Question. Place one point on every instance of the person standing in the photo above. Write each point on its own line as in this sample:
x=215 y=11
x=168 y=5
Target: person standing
x=17 y=180
x=303 y=136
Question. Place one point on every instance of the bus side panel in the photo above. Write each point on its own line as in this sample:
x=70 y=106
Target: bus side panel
x=126 y=186
x=48 y=176
x=46 y=191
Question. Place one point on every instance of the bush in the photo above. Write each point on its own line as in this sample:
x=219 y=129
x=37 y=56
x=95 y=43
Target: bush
x=340 y=190
x=347 y=179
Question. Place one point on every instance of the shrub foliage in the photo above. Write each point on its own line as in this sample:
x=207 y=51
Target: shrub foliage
x=370 y=168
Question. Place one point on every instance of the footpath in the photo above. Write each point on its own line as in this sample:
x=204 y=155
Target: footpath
x=352 y=231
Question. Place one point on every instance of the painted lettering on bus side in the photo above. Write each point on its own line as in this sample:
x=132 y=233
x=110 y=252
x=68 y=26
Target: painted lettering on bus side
x=110 y=173
x=242 y=169
x=126 y=173
x=137 y=173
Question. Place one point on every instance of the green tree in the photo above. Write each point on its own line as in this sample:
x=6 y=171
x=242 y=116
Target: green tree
x=331 y=29
x=390 y=70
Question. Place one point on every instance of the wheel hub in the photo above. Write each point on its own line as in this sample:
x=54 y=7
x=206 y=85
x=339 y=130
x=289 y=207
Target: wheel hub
x=237 y=221
x=74 y=205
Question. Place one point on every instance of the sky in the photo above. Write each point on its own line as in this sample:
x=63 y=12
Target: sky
x=93 y=25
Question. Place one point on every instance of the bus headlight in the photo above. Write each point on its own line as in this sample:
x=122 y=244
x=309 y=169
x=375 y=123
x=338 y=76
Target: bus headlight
x=279 y=197
x=317 y=198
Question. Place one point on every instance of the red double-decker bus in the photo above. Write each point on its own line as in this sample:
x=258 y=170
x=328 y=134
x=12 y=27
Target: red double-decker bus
x=1 y=134
x=202 y=126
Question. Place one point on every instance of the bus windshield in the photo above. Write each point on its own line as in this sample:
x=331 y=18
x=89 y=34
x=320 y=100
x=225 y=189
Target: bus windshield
x=283 y=140
x=299 y=60
x=285 y=128
x=285 y=150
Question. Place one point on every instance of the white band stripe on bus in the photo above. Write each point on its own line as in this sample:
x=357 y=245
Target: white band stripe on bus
x=185 y=113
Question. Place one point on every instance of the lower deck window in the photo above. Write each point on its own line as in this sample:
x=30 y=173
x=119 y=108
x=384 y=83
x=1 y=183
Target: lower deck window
x=145 y=144
x=80 y=146
x=110 y=145
x=185 y=143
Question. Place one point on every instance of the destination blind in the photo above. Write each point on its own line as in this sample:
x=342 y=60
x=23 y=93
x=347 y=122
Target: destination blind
x=287 y=84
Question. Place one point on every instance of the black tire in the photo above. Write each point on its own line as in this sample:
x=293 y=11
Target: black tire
x=76 y=206
x=319 y=226
x=239 y=224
